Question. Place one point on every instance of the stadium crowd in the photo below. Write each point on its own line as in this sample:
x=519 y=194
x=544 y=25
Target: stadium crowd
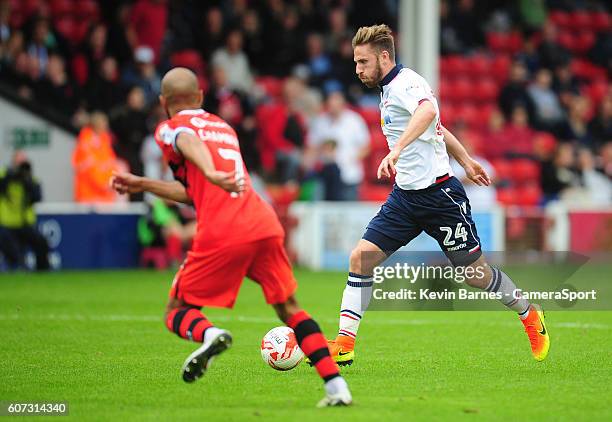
x=524 y=84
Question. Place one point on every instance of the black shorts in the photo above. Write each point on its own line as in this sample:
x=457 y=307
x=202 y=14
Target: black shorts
x=441 y=210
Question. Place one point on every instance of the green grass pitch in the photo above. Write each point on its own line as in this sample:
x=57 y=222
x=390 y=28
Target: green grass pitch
x=97 y=341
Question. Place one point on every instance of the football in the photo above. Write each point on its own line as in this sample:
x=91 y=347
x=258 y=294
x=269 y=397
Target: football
x=280 y=350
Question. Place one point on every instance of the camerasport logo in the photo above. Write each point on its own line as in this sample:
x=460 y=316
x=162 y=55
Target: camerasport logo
x=52 y=232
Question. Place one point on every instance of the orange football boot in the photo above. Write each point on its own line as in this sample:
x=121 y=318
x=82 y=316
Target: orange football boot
x=342 y=350
x=537 y=333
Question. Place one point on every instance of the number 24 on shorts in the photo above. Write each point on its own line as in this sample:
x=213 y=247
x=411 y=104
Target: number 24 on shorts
x=460 y=232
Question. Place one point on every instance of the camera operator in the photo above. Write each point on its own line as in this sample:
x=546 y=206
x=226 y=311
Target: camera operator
x=18 y=193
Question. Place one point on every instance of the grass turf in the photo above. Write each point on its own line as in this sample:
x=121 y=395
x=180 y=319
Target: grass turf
x=97 y=341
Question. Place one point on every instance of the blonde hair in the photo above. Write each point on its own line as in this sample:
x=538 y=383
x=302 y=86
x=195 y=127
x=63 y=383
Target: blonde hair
x=379 y=37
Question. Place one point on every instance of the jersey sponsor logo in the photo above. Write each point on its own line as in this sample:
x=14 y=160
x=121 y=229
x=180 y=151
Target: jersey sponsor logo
x=456 y=248
x=197 y=122
x=201 y=123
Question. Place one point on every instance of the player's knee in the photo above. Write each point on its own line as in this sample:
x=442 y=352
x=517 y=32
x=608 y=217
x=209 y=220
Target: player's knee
x=355 y=261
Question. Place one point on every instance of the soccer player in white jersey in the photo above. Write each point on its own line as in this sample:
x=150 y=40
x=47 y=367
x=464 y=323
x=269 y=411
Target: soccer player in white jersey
x=425 y=197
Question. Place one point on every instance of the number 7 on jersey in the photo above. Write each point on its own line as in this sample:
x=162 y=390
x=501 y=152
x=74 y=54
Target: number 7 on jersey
x=233 y=155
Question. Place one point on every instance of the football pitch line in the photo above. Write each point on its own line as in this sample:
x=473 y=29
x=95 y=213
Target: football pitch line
x=262 y=320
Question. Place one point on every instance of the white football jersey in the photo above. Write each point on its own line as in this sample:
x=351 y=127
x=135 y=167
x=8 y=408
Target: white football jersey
x=424 y=159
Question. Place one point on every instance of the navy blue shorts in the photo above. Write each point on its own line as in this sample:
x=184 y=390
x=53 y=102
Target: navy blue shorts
x=441 y=210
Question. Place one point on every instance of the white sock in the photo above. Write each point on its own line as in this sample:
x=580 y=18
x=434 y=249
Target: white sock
x=335 y=386
x=500 y=282
x=355 y=301
x=210 y=333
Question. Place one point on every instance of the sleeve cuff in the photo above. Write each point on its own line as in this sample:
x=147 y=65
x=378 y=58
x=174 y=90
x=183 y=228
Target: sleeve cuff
x=180 y=129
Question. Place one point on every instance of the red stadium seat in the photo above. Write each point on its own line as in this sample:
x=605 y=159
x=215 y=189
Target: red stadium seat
x=443 y=64
x=500 y=67
x=444 y=88
x=16 y=19
x=480 y=65
x=448 y=114
x=66 y=27
x=378 y=141
x=371 y=116
x=544 y=143
x=580 y=20
x=529 y=195
x=371 y=163
x=484 y=113
x=87 y=9
x=373 y=192
x=191 y=59
x=61 y=8
x=81 y=29
x=485 y=90
x=506 y=196
x=503 y=169
x=468 y=113
x=567 y=39
x=560 y=18
x=583 y=69
x=515 y=42
x=525 y=171
x=597 y=90
x=28 y=8
x=600 y=21
x=577 y=43
x=584 y=41
x=496 y=41
x=455 y=66
x=461 y=90
x=503 y=42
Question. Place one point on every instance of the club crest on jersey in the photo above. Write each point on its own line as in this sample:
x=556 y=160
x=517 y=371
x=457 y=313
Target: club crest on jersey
x=166 y=134
x=385 y=119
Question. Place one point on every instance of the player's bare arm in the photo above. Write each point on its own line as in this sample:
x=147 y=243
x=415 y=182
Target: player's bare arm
x=128 y=183
x=194 y=150
x=423 y=116
x=473 y=169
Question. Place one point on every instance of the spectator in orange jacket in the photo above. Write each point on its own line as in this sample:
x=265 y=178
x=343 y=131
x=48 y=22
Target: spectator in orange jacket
x=94 y=161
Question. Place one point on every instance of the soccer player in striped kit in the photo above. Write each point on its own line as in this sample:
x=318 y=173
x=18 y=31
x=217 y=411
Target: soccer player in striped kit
x=238 y=235
x=426 y=196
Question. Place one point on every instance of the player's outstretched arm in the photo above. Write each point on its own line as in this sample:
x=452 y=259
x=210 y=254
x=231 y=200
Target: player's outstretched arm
x=130 y=183
x=194 y=150
x=473 y=169
x=423 y=115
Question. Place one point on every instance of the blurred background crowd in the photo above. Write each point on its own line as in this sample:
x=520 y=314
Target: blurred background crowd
x=523 y=84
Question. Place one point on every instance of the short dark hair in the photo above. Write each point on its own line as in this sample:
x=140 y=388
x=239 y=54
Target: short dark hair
x=379 y=36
